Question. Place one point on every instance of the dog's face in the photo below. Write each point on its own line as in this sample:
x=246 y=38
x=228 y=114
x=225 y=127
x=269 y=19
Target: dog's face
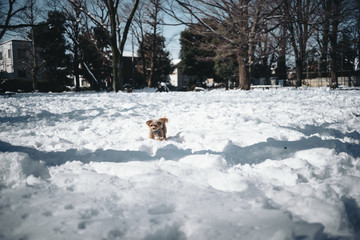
x=155 y=125
x=157 y=128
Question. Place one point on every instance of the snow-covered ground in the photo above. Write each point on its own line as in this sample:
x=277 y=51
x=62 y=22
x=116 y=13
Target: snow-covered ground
x=273 y=164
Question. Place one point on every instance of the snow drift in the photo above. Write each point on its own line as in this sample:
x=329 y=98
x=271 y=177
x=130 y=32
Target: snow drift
x=277 y=164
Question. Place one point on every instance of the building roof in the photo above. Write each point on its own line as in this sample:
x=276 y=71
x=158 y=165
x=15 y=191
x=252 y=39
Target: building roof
x=175 y=61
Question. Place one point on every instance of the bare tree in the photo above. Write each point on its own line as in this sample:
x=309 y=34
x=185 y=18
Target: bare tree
x=282 y=46
x=74 y=16
x=147 y=27
x=341 y=17
x=105 y=14
x=335 y=7
x=336 y=15
x=138 y=30
x=301 y=19
x=31 y=17
x=241 y=25
x=9 y=10
x=323 y=35
x=154 y=20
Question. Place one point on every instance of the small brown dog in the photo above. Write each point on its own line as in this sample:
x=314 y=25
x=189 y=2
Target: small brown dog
x=157 y=128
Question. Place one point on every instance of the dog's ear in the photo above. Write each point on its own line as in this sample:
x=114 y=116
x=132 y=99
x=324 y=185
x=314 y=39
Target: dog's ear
x=164 y=120
x=148 y=122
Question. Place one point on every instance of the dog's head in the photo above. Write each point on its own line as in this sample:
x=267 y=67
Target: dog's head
x=155 y=125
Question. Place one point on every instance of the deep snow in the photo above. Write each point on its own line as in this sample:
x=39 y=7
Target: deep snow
x=274 y=164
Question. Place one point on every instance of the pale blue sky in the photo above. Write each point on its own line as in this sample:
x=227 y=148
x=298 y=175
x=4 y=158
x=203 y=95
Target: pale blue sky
x=172 y=35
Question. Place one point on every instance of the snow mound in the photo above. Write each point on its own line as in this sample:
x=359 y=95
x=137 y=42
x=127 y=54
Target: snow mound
x=205 y=161
x=17 y=169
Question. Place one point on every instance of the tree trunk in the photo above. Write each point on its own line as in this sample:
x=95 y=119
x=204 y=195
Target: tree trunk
x=244 y=80
x=333 y=74
x=154 y=22
x=35 y=69
x=121 y=72
x=143 y=60
x=281 y=66
x=114 y=49
x=116 y=67
x=151 y=82
x=324 y=48
x=333 y=61
x=299 y=69
x=76 y=69
x=76 y=64
x=152 y=60
x=265 y=64
x=115 y=59
x=76 y=53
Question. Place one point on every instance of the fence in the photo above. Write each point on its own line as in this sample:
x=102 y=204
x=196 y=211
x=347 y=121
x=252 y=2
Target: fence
x=345 y=78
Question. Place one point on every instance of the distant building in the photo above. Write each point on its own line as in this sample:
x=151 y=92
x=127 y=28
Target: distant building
x=177 y=80
x=14 y=59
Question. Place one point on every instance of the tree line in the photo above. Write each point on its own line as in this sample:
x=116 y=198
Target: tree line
x=224 y=38
x=249 y=36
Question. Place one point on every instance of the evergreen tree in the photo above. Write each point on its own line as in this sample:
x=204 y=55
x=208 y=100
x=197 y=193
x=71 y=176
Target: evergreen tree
x=50 y=39
x=281 y=71
x=226 y=70
x=93 y=51
x=197 y=57
x=160 y=58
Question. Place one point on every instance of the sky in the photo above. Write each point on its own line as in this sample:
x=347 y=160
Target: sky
x=172 y=35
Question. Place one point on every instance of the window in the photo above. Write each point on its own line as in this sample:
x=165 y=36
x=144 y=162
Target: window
x=1 y=56
x=9 y=53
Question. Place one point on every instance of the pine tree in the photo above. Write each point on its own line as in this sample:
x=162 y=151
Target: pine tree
x=157 y=57
x=197 y=57
x=50 y=39
x=92 y=47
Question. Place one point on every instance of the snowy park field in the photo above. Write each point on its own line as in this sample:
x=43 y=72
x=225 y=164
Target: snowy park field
x=275 y=165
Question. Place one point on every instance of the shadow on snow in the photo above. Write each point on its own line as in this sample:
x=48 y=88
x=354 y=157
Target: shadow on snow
x=278 y=150
x=234 y=154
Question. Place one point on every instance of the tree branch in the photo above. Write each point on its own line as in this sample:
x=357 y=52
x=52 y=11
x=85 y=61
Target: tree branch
x=127 y=26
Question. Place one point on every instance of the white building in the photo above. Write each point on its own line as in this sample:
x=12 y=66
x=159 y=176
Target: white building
x=176 y=79
x=14 y=59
